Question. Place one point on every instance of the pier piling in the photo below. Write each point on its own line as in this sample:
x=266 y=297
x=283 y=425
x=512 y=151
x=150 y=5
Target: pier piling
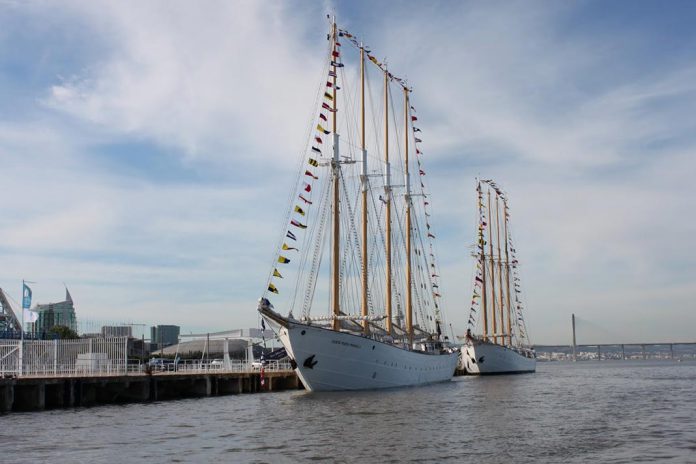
x=38 y=393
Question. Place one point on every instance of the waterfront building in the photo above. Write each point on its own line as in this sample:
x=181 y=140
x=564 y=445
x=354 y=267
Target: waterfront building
x=162 y=336
x=116 y=331
x=54 y=314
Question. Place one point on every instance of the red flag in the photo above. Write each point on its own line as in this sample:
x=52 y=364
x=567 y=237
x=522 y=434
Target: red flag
x=305 y=200
x=318 y=139
x=307 y=187
x=322 y=117
x=421 y=172
x=335 y=53
x=327 y=107
x=413 y=118
x=309 y=173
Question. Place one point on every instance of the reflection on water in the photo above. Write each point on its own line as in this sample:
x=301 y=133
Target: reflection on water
x=572 y=413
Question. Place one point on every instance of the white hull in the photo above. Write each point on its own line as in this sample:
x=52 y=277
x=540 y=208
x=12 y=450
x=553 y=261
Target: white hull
x=330 y=361
x=488 y=358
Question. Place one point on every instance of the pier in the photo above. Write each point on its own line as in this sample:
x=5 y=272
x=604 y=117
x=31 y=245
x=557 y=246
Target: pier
x=40 y=374
x=38 y=393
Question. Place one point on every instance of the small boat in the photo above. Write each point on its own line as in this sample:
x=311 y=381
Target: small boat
x=380 y=320
x=502 y=345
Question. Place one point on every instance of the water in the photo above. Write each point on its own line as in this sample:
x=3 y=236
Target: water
x=609 y=412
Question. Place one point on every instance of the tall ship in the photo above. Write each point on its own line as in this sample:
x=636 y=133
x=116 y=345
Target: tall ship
x=355 y=270
x=496 y=340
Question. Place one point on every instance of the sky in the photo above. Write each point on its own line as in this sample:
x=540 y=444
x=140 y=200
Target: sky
x=147 y=148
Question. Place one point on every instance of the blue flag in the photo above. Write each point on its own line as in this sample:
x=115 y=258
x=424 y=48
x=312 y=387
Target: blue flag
x=26 y=296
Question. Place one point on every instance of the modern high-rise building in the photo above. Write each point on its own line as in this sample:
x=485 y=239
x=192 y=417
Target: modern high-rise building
x=53 y=314
x=162 y=336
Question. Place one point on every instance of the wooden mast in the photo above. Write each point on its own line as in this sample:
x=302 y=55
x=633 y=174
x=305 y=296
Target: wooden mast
x=484 y=288
x=409 y=296
x=387 y=193
x=364 y=190
x=490 y=243
x=335 y=253
x=500 y=268
x=507 y=270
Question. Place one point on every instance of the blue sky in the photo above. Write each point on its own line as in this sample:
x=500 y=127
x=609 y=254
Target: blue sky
x=145 y=150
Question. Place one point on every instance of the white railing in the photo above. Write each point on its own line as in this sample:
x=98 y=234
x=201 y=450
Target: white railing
x=93 y=356
x=219 y=366
x=105 y=356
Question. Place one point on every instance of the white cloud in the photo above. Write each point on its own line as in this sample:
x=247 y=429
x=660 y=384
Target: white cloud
x=597 y=158
x=228 y=80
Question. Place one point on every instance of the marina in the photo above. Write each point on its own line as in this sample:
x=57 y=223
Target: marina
x=350 y=232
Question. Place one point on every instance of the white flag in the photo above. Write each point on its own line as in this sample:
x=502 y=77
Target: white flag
x=30 y=316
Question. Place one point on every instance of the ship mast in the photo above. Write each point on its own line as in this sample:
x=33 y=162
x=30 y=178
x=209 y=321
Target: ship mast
x=482 y=246
x=409 y=301
x=336 y=171
x=500 y=268
x=387 y=194
x=490 y=240
x=363 y=178
x=507 y=271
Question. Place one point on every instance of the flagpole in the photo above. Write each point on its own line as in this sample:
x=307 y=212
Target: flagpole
x=21 y=337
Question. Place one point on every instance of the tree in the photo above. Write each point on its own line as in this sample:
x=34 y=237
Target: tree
x=63 y=332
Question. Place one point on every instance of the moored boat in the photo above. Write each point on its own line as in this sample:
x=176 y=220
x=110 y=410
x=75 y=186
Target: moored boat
x=373 y=332
x=502 y=346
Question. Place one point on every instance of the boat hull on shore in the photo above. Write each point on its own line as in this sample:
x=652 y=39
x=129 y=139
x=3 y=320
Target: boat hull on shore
x=483 y=358
x=328 y=360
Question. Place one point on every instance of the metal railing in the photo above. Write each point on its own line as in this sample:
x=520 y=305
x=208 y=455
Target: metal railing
x=106 y=356
x=93 y=356
x=220 y=366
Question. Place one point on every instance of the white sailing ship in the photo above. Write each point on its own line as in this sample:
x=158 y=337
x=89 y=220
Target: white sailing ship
x=502 y=345
x=380 y=323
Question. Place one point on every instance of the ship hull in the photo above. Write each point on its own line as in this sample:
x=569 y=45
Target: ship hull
x=333 y=361
x=489 y=358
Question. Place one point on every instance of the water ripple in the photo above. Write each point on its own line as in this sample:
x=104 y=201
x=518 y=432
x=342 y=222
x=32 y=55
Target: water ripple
x=610 y=412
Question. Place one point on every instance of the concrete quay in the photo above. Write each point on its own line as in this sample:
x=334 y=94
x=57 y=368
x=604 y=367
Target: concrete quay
x=39 y=393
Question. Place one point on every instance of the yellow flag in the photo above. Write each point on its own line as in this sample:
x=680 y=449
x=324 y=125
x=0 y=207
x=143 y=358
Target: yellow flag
x=276 y=273
x=272 y=288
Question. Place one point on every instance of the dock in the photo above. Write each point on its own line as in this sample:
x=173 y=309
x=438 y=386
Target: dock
x=47 y=392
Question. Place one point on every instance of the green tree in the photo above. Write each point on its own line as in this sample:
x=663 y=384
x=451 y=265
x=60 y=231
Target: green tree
x=63 y=332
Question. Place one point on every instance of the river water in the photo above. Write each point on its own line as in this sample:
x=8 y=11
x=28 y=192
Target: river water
x=608 y=412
